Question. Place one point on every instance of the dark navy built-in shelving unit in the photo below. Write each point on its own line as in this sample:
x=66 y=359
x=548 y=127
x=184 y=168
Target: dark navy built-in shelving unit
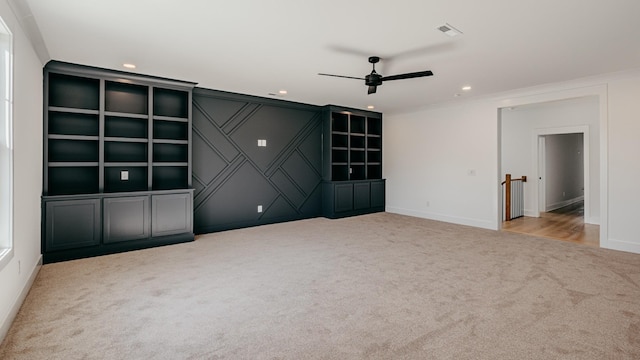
x=352 y=152
x=117 y=161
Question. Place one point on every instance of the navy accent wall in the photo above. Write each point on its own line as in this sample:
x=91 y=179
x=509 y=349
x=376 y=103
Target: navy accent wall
x=232 y=175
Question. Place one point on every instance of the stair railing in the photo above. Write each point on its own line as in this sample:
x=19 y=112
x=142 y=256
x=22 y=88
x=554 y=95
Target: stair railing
x=513 y=197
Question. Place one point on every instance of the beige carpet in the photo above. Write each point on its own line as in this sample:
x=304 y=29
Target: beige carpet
x=380 y=286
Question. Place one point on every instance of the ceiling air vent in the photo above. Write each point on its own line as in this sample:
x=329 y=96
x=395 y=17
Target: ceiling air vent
x=449 y=30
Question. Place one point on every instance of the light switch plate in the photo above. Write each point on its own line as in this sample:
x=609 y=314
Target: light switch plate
x=124 y=175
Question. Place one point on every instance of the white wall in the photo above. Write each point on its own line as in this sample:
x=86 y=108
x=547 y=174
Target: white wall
x=520 y=124
x=16 y=276
x=564 y=162
x=428 y=152
x=623 y=163
x=441 y=163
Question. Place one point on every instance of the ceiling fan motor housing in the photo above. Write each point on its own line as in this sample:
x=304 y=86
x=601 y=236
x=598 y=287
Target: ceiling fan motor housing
x=373 y=79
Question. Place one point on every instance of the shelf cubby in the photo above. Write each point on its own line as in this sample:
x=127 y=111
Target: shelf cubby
x=358 y=172
x=374 y=156
x=116 y=126
x=68 y=180
x=374 y=143
x=340 y=172
x=170 y=177
x=357 y=156
x=137 y=179
x=116 y=151
x=340 y=122
x=339 y=140
x=374 y=126
x=340 y=155
x=171 y=103
x=357 y=124
x=170 y=130
x=126 y=98
x=164 y=152
x=374 y=171
x=68 y=150
x=68 y=91
x=69 y=123
x=357 y=142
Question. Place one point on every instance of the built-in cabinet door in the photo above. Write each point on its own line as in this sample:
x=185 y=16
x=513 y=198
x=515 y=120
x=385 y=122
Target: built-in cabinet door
x=171 y=214
x=343 y=200
x=377 y=194
x=361 y=196
x=126 y=218
x=72 y=224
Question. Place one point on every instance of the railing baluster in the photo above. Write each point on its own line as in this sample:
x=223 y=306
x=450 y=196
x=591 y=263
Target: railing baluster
x=513 y=197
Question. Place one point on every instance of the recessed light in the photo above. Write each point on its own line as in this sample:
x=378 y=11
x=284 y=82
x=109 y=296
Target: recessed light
x=466 y=88
x=371 y=107
x=129 y=66
x=283 y=92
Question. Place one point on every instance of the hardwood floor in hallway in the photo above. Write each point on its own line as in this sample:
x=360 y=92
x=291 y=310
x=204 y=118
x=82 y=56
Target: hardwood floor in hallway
x=565 y=224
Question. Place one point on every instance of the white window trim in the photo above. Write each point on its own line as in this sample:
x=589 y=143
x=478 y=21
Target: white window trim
x=6 y=253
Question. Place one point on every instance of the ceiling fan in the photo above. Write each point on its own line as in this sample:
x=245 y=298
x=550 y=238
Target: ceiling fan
x=373 y=80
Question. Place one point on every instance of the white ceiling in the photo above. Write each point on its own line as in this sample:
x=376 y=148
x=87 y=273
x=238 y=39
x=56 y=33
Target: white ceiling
x=259 y=47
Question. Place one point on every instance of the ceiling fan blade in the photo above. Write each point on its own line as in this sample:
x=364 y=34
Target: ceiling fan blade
x=408 y=75
x=342 y=76
x=372 y=90
x=350 y=50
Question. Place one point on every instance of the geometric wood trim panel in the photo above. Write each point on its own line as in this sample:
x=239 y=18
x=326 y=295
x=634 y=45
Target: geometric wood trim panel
x=232 y=175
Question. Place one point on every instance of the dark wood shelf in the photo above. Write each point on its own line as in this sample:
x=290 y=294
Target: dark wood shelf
x=126 y=139
x=170 y=164
x=170 y=118
x=73 y=110
x=125 y=163
x=73 y=137
x=170 y=141
x=126 y=115
x=72 y=163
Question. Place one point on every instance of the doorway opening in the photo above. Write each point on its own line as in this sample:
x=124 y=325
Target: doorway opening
x=564 y=175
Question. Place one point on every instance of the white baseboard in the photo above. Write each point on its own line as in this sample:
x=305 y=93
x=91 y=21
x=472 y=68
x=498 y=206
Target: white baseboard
x=594 y=220
x=6 y=325
x=485 y=224
x=620 y=245
x=564 y=203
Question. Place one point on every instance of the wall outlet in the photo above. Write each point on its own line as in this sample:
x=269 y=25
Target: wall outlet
x=124 y=175
x=262 y=143
x=259 y=208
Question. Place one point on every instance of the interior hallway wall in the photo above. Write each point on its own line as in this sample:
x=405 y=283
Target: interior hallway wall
x=564 y=161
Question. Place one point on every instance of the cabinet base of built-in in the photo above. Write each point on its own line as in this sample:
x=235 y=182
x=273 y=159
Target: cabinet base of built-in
x=78 y=226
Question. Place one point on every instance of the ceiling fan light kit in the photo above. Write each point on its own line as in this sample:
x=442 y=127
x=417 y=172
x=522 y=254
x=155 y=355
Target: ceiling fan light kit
x=373 y=80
